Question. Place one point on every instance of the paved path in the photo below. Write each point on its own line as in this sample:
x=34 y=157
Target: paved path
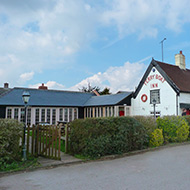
x=166 y=169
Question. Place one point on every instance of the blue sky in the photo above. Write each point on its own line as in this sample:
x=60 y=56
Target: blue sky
x=68 y=44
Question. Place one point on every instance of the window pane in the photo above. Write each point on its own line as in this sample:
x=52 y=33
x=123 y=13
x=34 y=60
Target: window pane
x=42 y=115
x=9 y=113
x=22 y=115
x=75 y=113
x=16 y=113
x=70 y=114
x=37 y=116
x=66 y=114
x=28 y=116
x=48 y=116
x=53 y=116
x=101 y=111
x=61 y=114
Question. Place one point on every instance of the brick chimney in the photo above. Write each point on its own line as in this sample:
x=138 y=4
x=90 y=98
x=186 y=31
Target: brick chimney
x=6 y=85
x=43 y=87
x=180 y=60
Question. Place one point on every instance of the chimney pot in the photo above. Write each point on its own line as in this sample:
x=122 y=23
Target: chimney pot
x=43 y=87
x=180 y=60
x=6 y=85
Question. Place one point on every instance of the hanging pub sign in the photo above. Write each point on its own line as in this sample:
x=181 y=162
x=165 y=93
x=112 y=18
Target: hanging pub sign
x=156 y=76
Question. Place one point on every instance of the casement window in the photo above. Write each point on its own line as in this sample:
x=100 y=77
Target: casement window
x=16 y=113
x=48 y=115
x=9 y=113
x=155 y=95
x=66 y=114
x=53 y=116
x=22 y=115
x=42 y=115
x=37 y=115
x=101 y=111
x=70 y=114
x=61 y=114
x=28 y=116
x=75 y=113
x=113 y=111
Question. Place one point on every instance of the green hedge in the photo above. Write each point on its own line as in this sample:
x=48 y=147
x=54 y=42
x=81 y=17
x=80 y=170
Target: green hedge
x=156 y=138
x=10 y=133
x=97 y=137
x=175 y=128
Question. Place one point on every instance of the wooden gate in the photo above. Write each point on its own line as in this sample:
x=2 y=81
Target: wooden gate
x=44 y=141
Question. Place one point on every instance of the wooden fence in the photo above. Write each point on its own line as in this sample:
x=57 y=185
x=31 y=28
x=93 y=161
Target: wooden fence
x=46 y=140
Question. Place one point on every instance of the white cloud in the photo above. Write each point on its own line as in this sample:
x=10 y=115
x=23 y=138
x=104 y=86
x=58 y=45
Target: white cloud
x=36 y=35
x=26 y=76
x=50 y=85
x=145 y=17
x=125 y=77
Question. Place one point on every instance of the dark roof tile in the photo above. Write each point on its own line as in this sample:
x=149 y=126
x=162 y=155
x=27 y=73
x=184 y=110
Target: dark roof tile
x=180 y=77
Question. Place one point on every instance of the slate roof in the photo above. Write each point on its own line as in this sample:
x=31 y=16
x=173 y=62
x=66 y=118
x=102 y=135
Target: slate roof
x=180 y=77
x=3 y=91
x=45 y=97
x=106 y=100
x=13 y=97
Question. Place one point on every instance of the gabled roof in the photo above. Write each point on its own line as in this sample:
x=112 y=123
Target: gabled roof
x=45 y=97
x=177 y=78
x=180 y=77
x=105 y=100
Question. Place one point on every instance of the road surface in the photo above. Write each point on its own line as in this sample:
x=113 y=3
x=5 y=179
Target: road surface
x=165 y=169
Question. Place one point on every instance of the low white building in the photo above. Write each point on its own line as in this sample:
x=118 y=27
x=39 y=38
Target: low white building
x=168 y=85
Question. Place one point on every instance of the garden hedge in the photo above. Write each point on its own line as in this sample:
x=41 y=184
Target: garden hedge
x=175 y=128
x=10 y=133
x=96 y=137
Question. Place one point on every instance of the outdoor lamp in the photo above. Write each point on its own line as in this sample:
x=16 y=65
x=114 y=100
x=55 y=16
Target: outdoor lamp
x=25 y=98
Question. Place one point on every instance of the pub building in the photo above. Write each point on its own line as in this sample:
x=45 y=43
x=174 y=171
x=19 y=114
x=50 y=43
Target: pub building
x=165 y=85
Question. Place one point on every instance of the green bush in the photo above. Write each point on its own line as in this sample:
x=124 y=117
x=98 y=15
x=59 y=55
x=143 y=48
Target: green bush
x=97 y=137
x=187 y=117
x=156 y=138
x=10 y=133
x=148 y=122
x=175 y=128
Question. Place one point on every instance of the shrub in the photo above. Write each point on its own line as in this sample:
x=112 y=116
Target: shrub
x=10 y=133
x=156 y=138
x=95 y=137
x=187 y=117
x=175 y=128
x=148 y=122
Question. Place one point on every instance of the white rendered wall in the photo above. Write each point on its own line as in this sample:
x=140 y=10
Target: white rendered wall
x=167 y=104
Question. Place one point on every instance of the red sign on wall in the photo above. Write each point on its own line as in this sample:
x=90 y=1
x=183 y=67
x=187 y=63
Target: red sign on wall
x=154 y=85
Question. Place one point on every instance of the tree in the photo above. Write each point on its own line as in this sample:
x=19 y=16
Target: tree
x=105 y=91
x=89 y=88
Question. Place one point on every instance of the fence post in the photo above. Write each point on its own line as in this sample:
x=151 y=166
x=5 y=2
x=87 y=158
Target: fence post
x=59 y=147
x=28 y=136
x=66 y=138
x=36 y=140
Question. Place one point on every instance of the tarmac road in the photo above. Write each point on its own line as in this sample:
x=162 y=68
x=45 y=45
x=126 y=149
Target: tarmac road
x=165 y=169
